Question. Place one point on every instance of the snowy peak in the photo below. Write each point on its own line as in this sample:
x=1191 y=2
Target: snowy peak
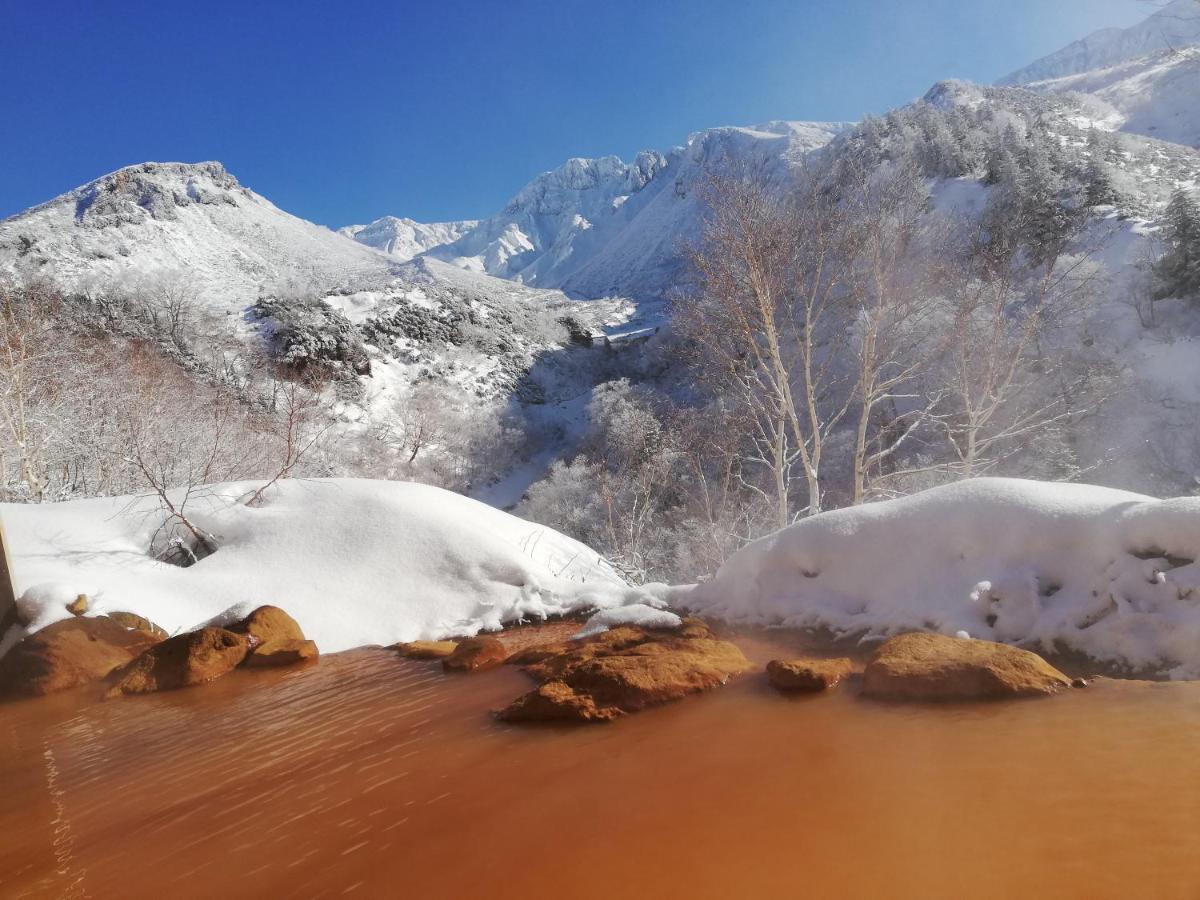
x=405 y=238
x=1173 y=27
x=603 y=227
x=158 y=218
x=134 y=194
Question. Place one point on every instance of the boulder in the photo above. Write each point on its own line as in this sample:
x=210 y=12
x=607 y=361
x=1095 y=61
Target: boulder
x=68 y=654
x=427 y=649
x=624 y=670
x=78 y=606
x=476 y=654
x=268 y=623
x=138 y=623
x=556 y=702
x=184 y=660
x=936 y=667
x=280 y=653
x=808 y=674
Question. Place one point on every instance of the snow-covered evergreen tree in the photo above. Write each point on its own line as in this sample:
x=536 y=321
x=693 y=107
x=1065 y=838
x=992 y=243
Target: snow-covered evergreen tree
x=1178 y=270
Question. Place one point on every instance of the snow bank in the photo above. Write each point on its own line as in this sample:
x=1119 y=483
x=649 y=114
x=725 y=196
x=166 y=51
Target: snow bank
x=1109 y=573
x=355 y=562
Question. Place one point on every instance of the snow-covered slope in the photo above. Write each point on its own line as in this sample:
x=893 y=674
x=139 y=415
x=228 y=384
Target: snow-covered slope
x=1157 y=95
x=1174 y=26
x=355 y=562
x=404 y=238
x=233 y=244
x=600 y=227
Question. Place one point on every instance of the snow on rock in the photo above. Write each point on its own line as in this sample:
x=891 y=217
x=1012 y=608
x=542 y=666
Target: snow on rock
x=355 y=562
x=1110 y=573
x=643 y=615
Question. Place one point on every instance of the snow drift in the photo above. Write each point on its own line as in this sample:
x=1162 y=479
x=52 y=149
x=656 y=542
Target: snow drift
x=1105 y=572
x=355 y=562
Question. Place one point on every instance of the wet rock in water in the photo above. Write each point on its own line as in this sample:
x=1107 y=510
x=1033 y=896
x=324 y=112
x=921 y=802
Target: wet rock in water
x=936 y=667
x=68 y=654
x=625 y=670
x=556 y=702
x=426 y=649
x=476 y=654
x=280 y=653
x=808 y=674
x=78 y=606
x=268 y=623
x=182 y=661
x=138 y=623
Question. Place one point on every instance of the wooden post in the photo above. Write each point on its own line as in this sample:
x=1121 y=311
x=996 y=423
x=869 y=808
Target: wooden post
x=8 y=593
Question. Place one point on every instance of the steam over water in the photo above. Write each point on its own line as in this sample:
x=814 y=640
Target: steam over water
x=367 y=775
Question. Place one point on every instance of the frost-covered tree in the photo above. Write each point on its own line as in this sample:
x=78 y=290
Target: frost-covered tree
x=1177 y=272
x=1098 y=183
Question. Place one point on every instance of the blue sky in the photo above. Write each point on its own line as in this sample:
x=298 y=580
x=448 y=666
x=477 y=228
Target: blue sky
x=342 y=112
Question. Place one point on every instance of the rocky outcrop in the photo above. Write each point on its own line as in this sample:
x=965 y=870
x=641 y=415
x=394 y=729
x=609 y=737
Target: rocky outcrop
x=476 y=654
x=427 y=649
x=184 y=660
x=138 y=623
x=936 y=667
x=280 y=653
x=624 y=670
x=556 y=701
x=266 y=624
x=68 y=654
x=808 y=675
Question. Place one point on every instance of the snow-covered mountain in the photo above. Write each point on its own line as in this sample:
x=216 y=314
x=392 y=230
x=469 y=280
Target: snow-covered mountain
x=604 y=227
x=1157 y=95
x=1174 y=26
x=313 y=294
x=174 y=217
x=405 y=238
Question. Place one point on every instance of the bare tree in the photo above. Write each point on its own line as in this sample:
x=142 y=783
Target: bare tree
x=770 y=271
x=31 y=392
x=298 y=420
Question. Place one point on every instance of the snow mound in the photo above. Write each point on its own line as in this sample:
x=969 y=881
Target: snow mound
x=1105 y=572
x=643 y=615
x=355 y=562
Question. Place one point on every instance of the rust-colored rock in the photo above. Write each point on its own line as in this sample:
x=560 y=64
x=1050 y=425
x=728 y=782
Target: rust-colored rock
x=280 y=653
x=138 y=623
x=476 y=654
x=78 y=606
x=556 y=702
x=808 y=674
x=427 y=649
x=68 y=654
x=624 y=670
x=182 y=661
x=935 y=667
x=268 y=623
